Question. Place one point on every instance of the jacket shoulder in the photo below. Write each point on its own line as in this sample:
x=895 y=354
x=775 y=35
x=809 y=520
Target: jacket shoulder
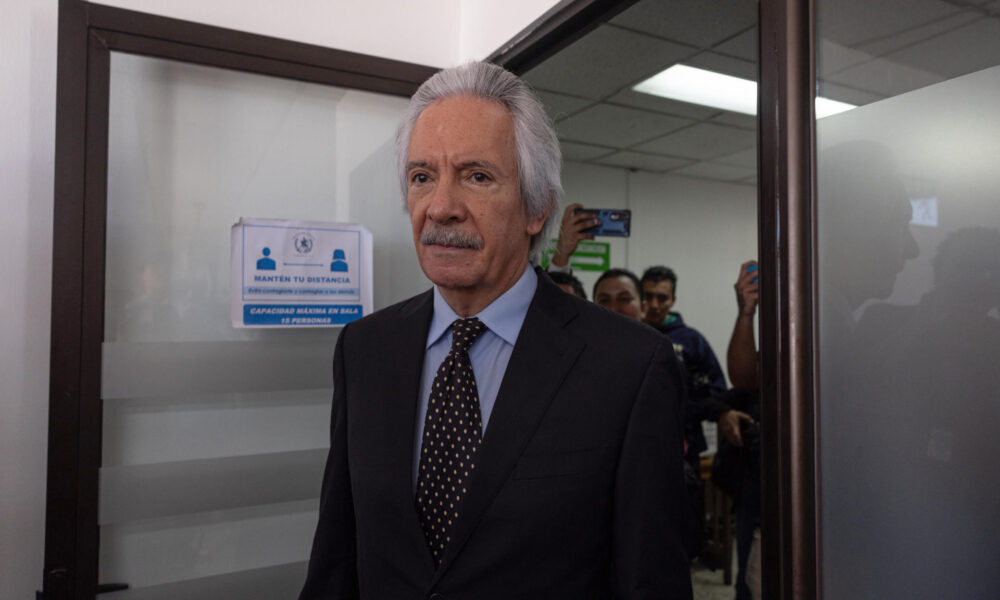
x=406 y=308
x=605 y=328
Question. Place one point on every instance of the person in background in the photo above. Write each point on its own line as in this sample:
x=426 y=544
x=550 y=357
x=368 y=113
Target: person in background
x=619 y=290
x=736 y=412
x=568 y=283
x=571 y=233
x=741 y=356
x=703 y=375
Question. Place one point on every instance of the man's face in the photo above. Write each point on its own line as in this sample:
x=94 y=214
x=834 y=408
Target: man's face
x=620 y=295
x=658 y=300
x=463 y=195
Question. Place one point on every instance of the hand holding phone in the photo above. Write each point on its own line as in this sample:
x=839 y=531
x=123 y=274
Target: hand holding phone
x=614 y=222
x=572 y=230
x=747 y=288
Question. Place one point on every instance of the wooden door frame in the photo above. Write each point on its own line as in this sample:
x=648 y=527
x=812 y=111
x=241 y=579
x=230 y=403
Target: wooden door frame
x=786 y=227
x=787 y=255
x=88 y=33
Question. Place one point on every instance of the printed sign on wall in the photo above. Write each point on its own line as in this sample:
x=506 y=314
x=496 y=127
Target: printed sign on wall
x=299 y=273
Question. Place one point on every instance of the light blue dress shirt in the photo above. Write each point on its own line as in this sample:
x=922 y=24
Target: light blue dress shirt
x=489 y=354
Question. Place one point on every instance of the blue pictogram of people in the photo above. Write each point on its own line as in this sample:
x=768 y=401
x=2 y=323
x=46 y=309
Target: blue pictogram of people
x=339 y=264
x=266 y=263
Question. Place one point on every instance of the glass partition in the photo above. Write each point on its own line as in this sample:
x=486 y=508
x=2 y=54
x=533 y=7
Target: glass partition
x=909 y=282
x=214 y=437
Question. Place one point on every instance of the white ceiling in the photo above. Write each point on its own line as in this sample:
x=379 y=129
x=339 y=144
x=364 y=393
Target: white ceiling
x=868 y=50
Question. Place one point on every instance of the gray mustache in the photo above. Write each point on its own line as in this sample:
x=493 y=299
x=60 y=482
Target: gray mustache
x=446 y=236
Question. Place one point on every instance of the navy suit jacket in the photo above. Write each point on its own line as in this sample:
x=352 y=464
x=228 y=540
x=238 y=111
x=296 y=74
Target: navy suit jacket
x=578 y=490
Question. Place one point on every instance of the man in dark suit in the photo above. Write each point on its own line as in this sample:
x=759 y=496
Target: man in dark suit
x=495 y=437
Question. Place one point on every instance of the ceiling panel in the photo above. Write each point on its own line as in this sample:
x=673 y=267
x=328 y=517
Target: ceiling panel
x=726 y=65
x=696 y=22
x=907 y=37
x=708 y=170
x=961 y=51
x=884 y=77
x=702 y=141
x=854 y=22
x=559 y=106
x=645 y=162
x=605 y=61
x=834 y=91
x=742 y=46
x=736 y=120
x=636 y=99
x=832 y=57
x=744 y=158
x=616 y=126
x=581 y=152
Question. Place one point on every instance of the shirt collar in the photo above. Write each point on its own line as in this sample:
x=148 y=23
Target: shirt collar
x=503 y=316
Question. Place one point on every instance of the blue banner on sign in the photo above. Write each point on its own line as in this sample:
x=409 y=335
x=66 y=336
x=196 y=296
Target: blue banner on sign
x=309 y=315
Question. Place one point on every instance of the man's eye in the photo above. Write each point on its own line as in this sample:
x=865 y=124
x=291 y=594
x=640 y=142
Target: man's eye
x=481 y=177
x=419 y=178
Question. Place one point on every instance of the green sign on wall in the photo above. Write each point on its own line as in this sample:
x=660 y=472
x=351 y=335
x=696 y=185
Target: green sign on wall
x=589 y=256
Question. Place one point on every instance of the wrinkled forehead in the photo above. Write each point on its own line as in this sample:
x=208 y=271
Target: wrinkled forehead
x=464 y=128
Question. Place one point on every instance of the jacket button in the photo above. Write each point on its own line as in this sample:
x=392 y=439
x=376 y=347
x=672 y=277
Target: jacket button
x=436 y=596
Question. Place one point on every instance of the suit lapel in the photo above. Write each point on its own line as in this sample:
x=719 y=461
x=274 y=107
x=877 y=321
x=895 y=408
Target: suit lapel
x=403 y=350
x=542 y=357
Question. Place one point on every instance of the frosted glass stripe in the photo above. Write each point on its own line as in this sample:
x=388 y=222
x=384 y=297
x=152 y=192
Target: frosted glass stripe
x=268 y=583
x=195 y=486
x=223 y=542
x=170 y=429
x=142 y=370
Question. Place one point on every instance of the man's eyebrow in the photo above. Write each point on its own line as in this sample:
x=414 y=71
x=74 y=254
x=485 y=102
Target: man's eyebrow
x=468 y=164
x=480 y=163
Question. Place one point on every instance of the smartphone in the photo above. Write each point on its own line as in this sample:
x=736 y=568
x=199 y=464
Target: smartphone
x=751 y=269
x=615 y=222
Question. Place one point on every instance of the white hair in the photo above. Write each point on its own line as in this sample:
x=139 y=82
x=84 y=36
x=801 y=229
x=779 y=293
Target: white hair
x=537 y=148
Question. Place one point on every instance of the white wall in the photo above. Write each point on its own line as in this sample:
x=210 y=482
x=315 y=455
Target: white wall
x=487 y=26
x=27 y=130
x=703 y=230
x=427 y=33
x=438 y=33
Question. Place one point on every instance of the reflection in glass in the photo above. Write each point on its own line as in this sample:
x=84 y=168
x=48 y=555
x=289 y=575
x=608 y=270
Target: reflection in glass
x=909 y=282
x=214 y=438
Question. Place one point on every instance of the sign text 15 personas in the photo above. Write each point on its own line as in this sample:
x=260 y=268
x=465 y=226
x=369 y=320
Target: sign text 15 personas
x=299 y=273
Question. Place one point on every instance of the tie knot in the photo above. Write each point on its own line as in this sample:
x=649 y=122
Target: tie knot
x=464 y=332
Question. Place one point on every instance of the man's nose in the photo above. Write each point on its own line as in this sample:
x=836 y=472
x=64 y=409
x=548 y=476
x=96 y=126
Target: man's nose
x=446 y=203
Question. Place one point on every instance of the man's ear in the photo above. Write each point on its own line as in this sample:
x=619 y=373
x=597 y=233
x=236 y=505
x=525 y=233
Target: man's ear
x=535 y=225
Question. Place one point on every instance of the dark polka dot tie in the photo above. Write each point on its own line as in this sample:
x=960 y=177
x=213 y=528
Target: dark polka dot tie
x=453 y=432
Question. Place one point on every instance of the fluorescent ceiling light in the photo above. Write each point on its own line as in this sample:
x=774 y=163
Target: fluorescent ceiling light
x=699 y=86
x=708 y=88
x=826 y=107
